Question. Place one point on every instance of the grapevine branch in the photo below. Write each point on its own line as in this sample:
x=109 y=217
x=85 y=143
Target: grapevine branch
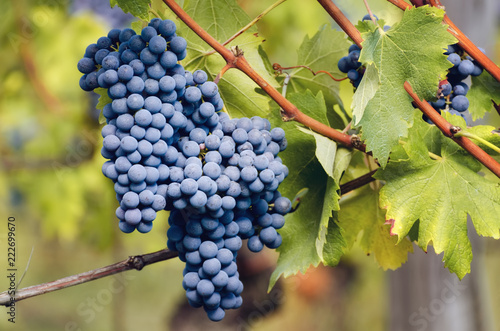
x=447 y=129
x=136 y=262
x=357 y=183
x=290 y=111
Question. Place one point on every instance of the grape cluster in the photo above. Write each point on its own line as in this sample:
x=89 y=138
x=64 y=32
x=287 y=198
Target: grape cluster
x=169 y=147
x=452 y=91
x=351 y=66
x=227 y=195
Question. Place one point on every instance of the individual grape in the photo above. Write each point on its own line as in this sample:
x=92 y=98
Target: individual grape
x=198 y=200
x=255 y=244
x=200 y=76
x=178 y=45
x=86 y=65
x=167 y=28
x=192 y=94
x=344 y=64
x=460 y=103
x=353 y=74
x=212 y=170
x=455 y=59
x=466 y=67
x=156 y=71
x=137 y=173
x=209 y=89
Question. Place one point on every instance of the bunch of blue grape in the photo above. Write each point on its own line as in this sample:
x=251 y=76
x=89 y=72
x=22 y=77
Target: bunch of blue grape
x=169 y=147
x=146 y=84
x=351 y=66
x=224 y=190
x=452 y=93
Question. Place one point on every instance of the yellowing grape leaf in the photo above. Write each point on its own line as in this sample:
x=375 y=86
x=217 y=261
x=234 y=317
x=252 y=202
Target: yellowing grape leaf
x=412 y=50
x=439 y=192
x=360 y=212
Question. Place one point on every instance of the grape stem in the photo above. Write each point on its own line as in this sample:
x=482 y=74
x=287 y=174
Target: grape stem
x=481 y=140
x=342 y=21
x=222 y=72
x=371 y=14
x=465 y=43
x=291 y=112
x=133 y=262
x=279 y=70
x=425 y=107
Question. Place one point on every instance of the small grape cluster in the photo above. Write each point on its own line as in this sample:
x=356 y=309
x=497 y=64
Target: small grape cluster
x=169 y=147
x=350 y=65
x=227 y=195
x=452 y=91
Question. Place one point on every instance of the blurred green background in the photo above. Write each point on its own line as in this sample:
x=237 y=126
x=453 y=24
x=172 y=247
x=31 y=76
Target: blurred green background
x=51 y=182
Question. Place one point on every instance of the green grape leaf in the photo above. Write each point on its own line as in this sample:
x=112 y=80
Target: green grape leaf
x=138 y=8
x=325 y=150
x=223 y=18
x=304 y=233
x=321 y=52
x=439 y=192
x=365 y=92
x=137 y=26
x=104 y=99
x=483 y=91
x=360 y=212
x=331 y=244
x=412 y=50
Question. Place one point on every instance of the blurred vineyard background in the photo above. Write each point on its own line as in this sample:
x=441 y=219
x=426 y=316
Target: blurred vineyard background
x=51 y=182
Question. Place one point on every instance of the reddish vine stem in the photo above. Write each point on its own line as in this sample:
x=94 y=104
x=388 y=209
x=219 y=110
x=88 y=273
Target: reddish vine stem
x=279 y=69
x=342 y=21
x=133 y=262
x=290 y=112
x=449 y=131
x=222 y=72
x=440 y=122
x=465 y=43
